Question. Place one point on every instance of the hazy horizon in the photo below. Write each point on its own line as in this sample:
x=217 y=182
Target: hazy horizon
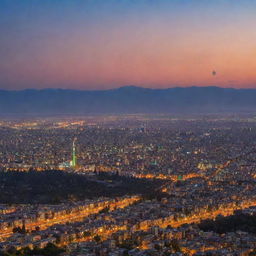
x=125 y=86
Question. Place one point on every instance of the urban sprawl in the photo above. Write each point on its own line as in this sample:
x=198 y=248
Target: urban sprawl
x=206 y=165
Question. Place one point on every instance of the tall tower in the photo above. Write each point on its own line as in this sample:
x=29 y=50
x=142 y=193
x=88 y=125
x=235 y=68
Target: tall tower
x=73 y=161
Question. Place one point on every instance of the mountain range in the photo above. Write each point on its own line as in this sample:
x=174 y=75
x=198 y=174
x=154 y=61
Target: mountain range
x=127 y=100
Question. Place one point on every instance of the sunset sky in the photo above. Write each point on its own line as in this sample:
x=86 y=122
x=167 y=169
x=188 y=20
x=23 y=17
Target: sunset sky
x=91 y=44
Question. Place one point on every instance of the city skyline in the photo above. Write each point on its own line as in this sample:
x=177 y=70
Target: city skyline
x=94 y=45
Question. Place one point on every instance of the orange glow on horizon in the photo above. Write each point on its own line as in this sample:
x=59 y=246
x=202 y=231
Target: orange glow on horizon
x=175 y=44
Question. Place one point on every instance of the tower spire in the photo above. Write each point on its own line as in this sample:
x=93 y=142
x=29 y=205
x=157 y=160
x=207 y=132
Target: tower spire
x=73 y=162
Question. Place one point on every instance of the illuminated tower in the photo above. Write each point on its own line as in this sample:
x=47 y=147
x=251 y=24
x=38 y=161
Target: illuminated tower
x=73 y=161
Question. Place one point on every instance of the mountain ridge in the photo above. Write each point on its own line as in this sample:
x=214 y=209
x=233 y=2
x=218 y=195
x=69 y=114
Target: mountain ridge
x=132 y=87
x=127 y=100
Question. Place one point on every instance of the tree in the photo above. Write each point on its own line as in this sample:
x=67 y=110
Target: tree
x=175 y=245
x=157 y=247
x=87 y=233
x=97 y=238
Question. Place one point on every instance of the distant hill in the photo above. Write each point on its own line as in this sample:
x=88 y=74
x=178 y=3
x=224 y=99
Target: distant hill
x=127 y=100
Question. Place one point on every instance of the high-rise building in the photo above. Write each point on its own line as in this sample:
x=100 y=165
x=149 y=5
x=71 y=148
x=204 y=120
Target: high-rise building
x=73 y=161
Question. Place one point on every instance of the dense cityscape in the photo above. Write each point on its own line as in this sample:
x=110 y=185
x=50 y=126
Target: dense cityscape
x=168 y=178
x=127 y=128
